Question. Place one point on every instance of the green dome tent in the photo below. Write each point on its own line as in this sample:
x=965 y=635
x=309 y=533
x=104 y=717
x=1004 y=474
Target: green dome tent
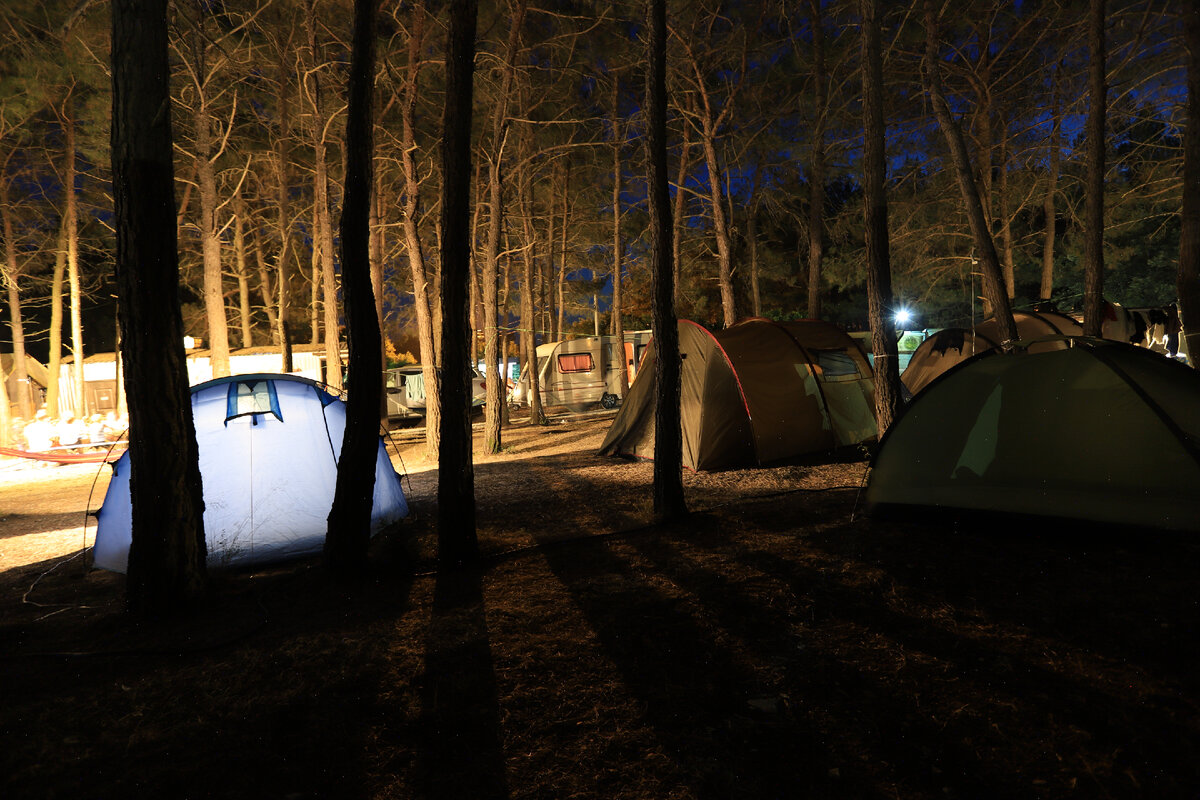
x=755 y=393
x=1099 y=431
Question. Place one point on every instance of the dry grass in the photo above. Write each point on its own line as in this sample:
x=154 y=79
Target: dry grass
x=768 y=645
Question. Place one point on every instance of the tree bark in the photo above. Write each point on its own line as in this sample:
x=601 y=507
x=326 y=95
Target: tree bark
x=528 y=258
x=562 y=266
x=349 y=530
x=73 y=281
x=993 y=279
x=816 y=168
x=324 y=270
x=166 y=571
x=457 y=540
x=669 y=501
x=422 y=296
x=1046 y=291
x=243 y=272
x=1188 y=281
x=12 y=275
x=618 y=324
x=1093 y=237
x=283 y=218
x=879 y=271
x=54 y=362
x=494 y=411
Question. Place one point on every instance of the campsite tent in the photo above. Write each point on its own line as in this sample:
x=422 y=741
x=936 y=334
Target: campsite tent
x=951 y=346
x=268 y=446
x=1099 y=430
x=755 y=393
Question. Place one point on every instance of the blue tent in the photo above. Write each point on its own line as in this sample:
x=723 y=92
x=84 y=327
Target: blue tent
x=268 y=447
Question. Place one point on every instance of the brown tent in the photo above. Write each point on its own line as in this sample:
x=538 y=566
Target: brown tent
x=755 y=393
x=951 y=346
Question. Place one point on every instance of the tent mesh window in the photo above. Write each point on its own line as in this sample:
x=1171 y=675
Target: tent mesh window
x=837 y=365
x=252 y=398
x=575 y=362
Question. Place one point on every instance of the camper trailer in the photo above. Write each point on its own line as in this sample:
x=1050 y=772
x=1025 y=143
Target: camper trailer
x=581 y=373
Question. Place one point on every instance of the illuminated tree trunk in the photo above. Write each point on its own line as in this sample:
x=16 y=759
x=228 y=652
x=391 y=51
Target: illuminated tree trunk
x=493 y=414
x=423 y=297
x=324 y=271
x=879 y=271
x=54 y=363
x=12 y=274
x=73 y=282
x=243 y=272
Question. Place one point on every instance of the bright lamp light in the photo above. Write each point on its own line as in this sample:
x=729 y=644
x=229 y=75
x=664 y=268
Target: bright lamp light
x=903 y=316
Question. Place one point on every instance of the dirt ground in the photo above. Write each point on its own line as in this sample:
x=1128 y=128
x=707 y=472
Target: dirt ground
x=775 y=643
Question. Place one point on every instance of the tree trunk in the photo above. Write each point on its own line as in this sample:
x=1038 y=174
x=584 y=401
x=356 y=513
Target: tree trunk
x=993 y=279
x=668 y=440
x=1046 y=291
x=752 y=244
x=1006 y=239
x=528 y=314
x=1188 y=282
x=265 y=291
x=720 y=224
x=562 y=267
x=54 y=363
x=166 y=571
x=283 y=219
x=378 y=244
x=314 y=275
x=210 y=245
x=618 y=324
x=12 y=275
x=816 y=168
x=72 y=225
x=879 y=271
x=324 y=270
x=423 y=298
x=243 y=272
x=493 y=415
x=457 y=541
x=1093 y=237
x=349 y=530
x=680 y=207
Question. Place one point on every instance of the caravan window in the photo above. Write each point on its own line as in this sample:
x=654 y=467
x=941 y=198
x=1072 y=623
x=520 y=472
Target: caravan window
x=837 y=365
x=575 y=362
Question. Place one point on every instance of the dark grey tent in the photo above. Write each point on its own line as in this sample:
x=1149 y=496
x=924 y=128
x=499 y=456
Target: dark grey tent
x=1098 y=430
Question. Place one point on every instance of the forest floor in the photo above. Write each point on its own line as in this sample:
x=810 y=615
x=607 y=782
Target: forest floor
x=772 y=644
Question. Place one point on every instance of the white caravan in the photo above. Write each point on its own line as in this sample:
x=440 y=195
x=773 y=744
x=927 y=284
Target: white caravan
x=580 y=373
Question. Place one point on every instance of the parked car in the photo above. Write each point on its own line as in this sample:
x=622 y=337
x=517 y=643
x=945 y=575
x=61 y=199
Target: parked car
x=406 y=391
